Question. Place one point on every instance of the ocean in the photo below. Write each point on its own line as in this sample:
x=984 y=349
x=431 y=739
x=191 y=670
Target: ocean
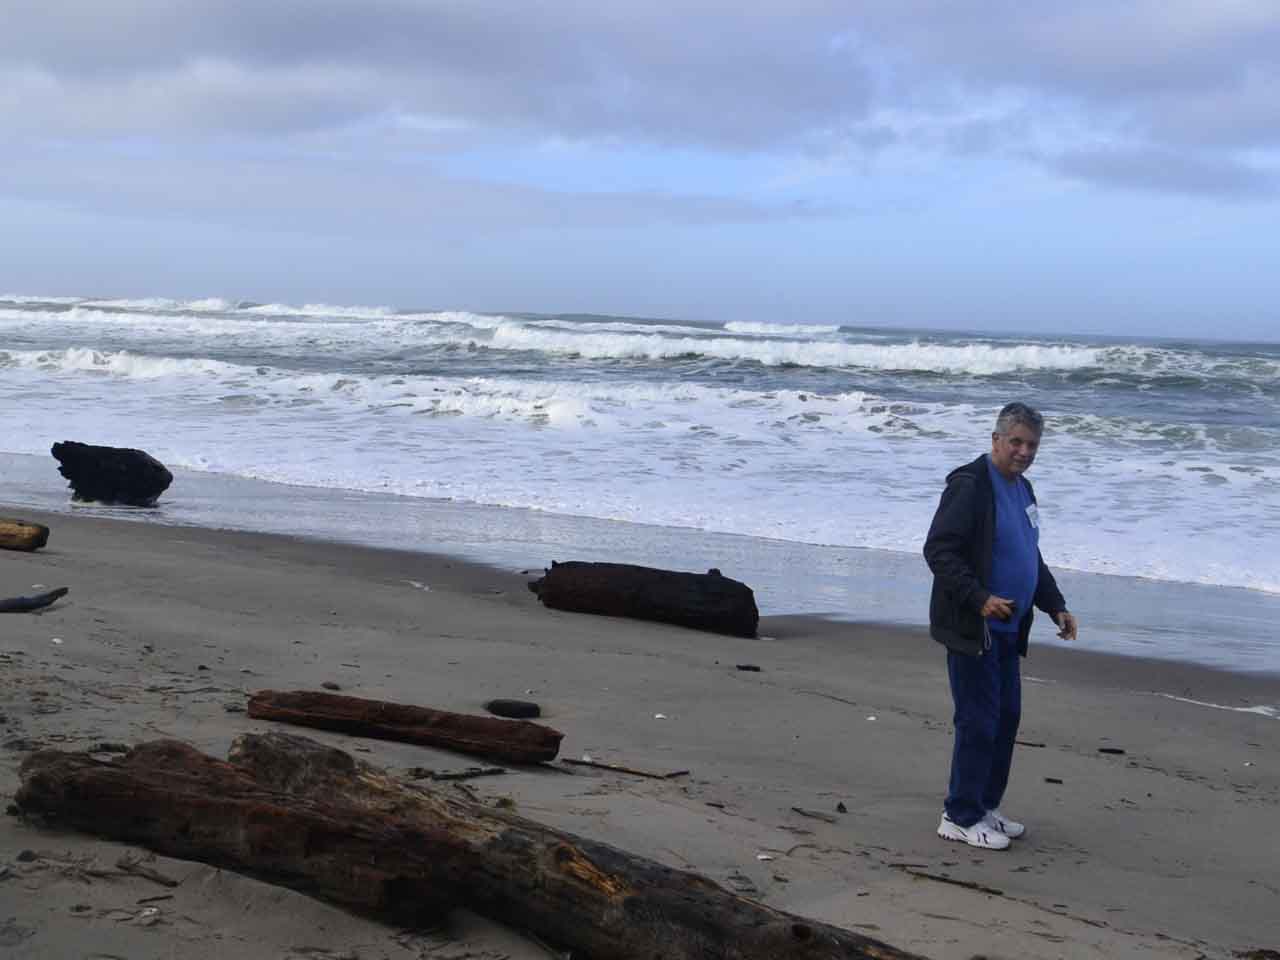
x=804 y=459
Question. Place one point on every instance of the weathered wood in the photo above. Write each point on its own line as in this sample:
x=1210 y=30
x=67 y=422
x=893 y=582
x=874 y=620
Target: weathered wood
x=508 y=741
x=35 y=602
x=22 y=535
x=704 y=601
x=111 y=474
x=177 y=801
x=290 y=809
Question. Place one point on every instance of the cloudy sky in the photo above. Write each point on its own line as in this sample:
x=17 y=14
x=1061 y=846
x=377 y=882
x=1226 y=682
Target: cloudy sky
x=992 y=164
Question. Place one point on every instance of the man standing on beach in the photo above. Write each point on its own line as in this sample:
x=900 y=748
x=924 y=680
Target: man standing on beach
x=984 y=550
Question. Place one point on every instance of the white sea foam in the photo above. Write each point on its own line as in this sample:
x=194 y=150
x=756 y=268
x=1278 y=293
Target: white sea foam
x=596 y=327
x=25 y=299
x=213 y=304
x=287 y=327
x=974 y=359
x=143 y=303
x=744 y=461
x=320 y=310
x=118 y=363
x=327 y=396
x=781 y=329
x=479 y=321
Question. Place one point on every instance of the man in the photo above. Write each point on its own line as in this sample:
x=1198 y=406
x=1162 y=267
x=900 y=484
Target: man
x=984 y=550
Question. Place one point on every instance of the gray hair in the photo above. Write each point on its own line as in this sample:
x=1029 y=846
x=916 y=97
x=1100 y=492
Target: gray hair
x=1013 y=414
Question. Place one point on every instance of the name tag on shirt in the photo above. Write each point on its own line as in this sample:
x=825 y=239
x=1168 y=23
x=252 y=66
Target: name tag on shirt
x=1033 y=515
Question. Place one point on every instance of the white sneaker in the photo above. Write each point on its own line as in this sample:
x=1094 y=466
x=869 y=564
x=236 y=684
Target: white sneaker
x=981 y=834
x=1000 y=823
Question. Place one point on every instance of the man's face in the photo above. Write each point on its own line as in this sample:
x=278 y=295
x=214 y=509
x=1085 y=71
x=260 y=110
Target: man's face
x=1014 y=451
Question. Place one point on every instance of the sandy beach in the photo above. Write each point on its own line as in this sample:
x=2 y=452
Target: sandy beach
x=1167 y=848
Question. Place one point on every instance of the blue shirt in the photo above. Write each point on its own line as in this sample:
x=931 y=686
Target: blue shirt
x=1015 y=555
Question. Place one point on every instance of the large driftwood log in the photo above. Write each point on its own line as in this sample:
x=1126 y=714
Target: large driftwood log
x=592 y=899
x=704 y=601
x=111 y=474
x=21 y=535
x=171 y=798
x=507 y=741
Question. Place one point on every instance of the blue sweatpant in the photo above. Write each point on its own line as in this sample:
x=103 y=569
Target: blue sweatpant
x=987 y=691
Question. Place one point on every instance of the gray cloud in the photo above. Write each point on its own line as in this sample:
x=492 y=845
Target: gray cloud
x=1167 y=170
x=1149 y=78
x=712 y=77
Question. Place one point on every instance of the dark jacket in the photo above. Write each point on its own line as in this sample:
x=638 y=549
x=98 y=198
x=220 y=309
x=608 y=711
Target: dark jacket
x=958 y=551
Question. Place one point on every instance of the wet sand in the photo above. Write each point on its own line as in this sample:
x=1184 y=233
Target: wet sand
x=1166 y=849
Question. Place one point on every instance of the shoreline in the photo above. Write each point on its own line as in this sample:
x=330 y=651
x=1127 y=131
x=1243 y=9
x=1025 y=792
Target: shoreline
x=1123 y=616
x=1146 y=618
x=1151 y=852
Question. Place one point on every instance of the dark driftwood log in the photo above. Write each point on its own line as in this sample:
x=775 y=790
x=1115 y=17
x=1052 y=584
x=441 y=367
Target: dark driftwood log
x=111 y=474
x=21 y=535
x=508 y=741
x=175 y=800
x=592 y=899
x=704 y=601
x=27 y=604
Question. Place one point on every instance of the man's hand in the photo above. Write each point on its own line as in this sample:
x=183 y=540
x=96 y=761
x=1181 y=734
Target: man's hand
x=1066 y=623
x=998 y=607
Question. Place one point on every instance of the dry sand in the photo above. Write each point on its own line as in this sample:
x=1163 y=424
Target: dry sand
x=1169 y=849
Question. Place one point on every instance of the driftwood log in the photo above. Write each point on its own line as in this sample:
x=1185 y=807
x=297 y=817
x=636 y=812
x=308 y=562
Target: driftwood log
x=312 y=817
x=21 y=535
x=171 y=798
x=704 y=601
x=36 y=602
x=507 y=741
x=111 y=474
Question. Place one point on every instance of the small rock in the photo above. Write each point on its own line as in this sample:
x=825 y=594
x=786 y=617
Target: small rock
x=26 y=856
x=202 y=667
x=330 y=685
x=841 y=808
x=108 y=747
x=233 y=708
x=749 y=667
